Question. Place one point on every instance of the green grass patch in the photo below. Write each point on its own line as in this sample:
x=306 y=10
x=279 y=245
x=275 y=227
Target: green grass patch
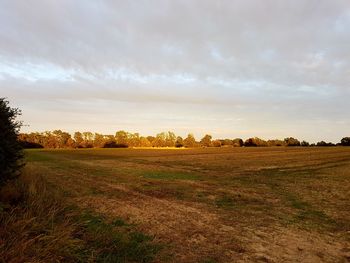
x=208 y=260
x=168 y=175
x=37 y=156
x=114 y=242
x=282 y=184
x=308 y=216
x=119 y=222
x=225 y=202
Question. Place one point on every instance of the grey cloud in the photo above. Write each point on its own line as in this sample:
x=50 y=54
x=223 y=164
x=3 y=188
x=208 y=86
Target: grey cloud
x=277 y=59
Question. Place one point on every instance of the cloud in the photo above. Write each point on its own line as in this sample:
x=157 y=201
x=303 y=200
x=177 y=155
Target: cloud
x=261 y=61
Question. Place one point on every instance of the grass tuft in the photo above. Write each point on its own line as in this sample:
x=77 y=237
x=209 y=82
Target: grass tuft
x=45 y=227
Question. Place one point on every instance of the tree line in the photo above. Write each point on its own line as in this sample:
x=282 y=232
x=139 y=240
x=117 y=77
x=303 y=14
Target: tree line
x=124 y=139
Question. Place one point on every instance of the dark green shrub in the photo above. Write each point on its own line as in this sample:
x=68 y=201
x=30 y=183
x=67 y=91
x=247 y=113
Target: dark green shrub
x=10 y=149
x=345 y=141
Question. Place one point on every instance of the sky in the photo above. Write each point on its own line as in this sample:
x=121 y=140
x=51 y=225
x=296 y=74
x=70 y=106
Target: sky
x=271 y=69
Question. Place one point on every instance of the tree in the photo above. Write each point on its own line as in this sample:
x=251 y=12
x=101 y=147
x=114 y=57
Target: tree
x=70 y=143
x=50 y=140
x=238 y=142
x=121 y=138
x=206 y=141
x=216 y=143
x=179 y=142
x=99 y=140
x=61 y=138
x=226 y=142
x=134 y=139
x=255 y=142
x=305 y=144
x=27 y=141
x=190 y=141
x=170 y=139
x=345 y=141
x=88 y=139
x=144 y=142
x=109 y=142
x=11 y=156
x=159 y=141
x=275 y=142
x=323 y=143
x=290 y=141
x=151 y=139
x=78 y=137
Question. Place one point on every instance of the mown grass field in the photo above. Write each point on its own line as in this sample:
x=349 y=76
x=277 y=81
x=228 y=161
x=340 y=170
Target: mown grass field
x=198 y=205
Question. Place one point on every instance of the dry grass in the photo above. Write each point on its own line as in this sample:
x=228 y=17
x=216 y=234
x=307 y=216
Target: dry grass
x=205 y=205
x=39 y=224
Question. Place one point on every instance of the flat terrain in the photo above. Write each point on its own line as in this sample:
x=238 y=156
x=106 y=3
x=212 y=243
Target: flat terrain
x=214 y=205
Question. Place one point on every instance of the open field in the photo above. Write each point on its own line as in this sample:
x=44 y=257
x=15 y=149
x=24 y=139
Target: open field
x=210 y=205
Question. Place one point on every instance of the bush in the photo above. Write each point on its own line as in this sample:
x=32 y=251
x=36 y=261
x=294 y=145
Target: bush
x=255 y=142
x=216 y=143
x=275 y=142
x=237 y=142
x=250 y=143
x=30 y=145
x=305 y=144
x=292 y=141
x=115 y=145
x=10 y=149
x=345 y=141
x=324 y=144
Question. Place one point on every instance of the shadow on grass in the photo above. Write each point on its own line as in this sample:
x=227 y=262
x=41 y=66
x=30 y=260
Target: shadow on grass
x=282 y=184
x=114 y=242
x=45 y=227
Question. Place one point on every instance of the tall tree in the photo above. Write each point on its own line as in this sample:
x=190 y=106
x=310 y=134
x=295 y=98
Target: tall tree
x=206 y=141
x=11 y=156
x=78 y=137
x=121 y=138
x=144 y=142
x=160 y=140
x=238 y=142
x=190 y=141
x=170 y=139
x=290 y=141
x=179 y=142
x=99 y=140
x=134 y=139
x=61 y=138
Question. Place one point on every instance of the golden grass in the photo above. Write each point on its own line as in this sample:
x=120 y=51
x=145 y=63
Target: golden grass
x=206 y=205
x=38 y=227
x=39 y=224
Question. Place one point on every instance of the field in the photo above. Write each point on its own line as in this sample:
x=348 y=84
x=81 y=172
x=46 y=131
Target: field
x=200 y=205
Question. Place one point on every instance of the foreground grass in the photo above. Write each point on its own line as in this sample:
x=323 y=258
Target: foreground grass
x=38 y=224
x=203 y=205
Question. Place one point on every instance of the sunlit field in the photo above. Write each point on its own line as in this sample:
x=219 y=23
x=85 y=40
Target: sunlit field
x=199 y=205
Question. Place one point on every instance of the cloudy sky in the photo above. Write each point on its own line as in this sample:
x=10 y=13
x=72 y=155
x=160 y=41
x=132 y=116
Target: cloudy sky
x=230 y=68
